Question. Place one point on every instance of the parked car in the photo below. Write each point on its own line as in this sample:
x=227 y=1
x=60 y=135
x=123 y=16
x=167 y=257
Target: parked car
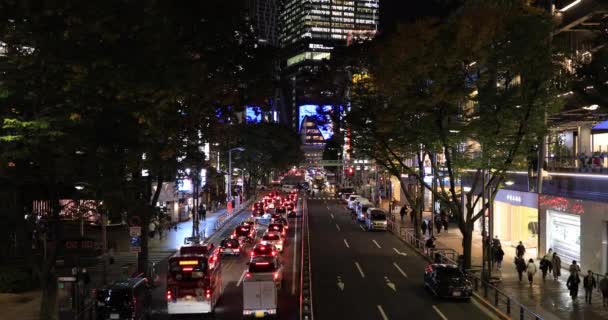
x=124 y=299
x=447 y=281
x=375 y=219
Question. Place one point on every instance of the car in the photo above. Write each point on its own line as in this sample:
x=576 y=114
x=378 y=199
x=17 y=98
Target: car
x=249 y=222
x=245 y=233
x=343 y=193
x=259 y=205
x=264 y=250
x=264 y=265
x=230 y=246
x=282 y=221
x=288 y=188
x=350 y=202
x=124 y=299
x=257 y=213
x=281 y=210
x=447 y=281
x=275 y=216
x=277 y=227
x=273 y=238
x=375 y=219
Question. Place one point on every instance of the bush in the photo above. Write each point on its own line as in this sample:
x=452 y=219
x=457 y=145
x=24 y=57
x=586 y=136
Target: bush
x=15 y=280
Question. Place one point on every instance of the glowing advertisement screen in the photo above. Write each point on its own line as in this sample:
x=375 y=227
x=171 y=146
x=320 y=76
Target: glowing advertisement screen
x=253 y=114
x=321 y=116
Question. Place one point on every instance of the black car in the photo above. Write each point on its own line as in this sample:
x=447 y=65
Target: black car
x=231 y=246
x=447 y=281
x=124 y=299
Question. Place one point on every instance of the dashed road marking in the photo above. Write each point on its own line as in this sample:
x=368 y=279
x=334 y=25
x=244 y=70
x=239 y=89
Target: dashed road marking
x=332 y=215
x=238 y=284
x=377 y=244
x=346 y=243
x=360 y=270
x=390 y=284
x=400 y=253
x=360 y=226
x=382 y=313
x=440 y=313
x=337 y=227
x=399 y=269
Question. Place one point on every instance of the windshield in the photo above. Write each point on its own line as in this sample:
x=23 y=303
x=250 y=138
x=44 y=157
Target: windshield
x=449 y=274
x=378 y=215
x=243 y=230
x=230 y=243
x=188 y=268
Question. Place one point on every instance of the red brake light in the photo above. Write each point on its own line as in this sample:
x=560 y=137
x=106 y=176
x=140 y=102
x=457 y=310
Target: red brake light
x=169 y=295
x=187 y=269
x=248 y=275
x=275 y=275
x=429 y=268
x=252 y=253
x=274 y=253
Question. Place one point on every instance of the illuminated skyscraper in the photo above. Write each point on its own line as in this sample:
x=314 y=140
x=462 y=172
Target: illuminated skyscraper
x=310 y=29
x=265 y=17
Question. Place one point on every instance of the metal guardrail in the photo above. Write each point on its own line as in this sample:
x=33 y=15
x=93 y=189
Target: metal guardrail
x=225 y=217
x=489 y=292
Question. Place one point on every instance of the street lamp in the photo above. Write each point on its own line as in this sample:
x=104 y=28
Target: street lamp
x=230 y=170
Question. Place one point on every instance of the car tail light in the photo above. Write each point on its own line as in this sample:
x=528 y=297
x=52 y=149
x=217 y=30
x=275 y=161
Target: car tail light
x=280 y=241
x=248 y=275
x=275 y=275
x=237 y=250
x=187 y=269
x=208 y=293
x=429 y=268
x=252 y=253
x=169 y=295
x=274 y=253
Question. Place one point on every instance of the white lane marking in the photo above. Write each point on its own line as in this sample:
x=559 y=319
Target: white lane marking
x=238 y=284
x=384 y=317
x=332 y=215
x=390 y=284
x=400 y=253
x=377 y=244
x=346 y=243
x=293 y=267
x=400 y=270
x=360 y=270
x=337 y=227
x=439 y=313
x=360 y=226
x=340 y=283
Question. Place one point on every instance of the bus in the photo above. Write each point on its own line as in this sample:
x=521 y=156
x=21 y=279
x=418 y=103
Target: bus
x=194 y=280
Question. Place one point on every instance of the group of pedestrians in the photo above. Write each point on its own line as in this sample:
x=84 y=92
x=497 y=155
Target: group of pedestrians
x=551 y=264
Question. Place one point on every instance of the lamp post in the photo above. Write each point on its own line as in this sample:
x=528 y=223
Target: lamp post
x=229 y=193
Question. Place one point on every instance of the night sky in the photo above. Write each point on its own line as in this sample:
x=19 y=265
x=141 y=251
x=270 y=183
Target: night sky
x=394 y=11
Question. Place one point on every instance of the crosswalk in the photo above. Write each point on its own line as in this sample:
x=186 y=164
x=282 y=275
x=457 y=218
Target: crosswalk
x=323 y=198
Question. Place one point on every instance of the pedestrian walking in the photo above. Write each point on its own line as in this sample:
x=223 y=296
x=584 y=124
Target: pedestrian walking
x=438 y=224
x=203 y=212
x=520 y=250
x=556 y=261
x=572 y=285
x=575 y=268
x=423 y=227
x=412 y=218
x=604 y=290
x=589 y=284
x=402 y=213
x=544 y=267
x=445 y=225
x=548 y=258
x=151 y=229
x=430 y=245
x=531 y=270
x=499 y=254
x=520 y=266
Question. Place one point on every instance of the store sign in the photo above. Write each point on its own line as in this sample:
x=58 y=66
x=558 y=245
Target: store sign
x=562 y=204
x=517 y=198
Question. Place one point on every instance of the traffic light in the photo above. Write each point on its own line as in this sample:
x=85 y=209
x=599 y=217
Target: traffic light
x=350 y=171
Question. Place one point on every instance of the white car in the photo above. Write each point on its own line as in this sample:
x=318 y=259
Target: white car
x=375 y=219
x=274 y=239
x=350 y=203
x=287 y=188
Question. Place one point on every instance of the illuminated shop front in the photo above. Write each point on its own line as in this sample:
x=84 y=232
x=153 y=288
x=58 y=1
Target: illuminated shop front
x=516 y=217
x=575 y=229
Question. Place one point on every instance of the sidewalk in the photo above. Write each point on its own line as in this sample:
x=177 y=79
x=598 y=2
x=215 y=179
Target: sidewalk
x=550 y=298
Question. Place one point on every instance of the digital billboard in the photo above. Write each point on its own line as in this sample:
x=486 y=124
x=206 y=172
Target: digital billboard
x=321 y=115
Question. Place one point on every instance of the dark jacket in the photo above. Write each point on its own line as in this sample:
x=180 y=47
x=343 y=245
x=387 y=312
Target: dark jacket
x=589 y=282
x=573 y=281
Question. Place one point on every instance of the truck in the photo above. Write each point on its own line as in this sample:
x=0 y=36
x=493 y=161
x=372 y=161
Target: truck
x=260 y=291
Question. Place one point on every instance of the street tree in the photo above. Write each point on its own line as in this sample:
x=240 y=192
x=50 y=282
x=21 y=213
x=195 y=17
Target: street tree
x=468 y=95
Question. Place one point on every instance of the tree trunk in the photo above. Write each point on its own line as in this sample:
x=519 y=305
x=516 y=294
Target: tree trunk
x=467 y=245
x=48 y=284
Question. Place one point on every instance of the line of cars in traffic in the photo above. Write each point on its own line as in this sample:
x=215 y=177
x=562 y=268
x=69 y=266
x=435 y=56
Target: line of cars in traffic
x=444 y=280
x=194 y=273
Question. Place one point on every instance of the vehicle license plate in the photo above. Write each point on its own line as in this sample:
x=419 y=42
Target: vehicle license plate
x=114 y=316
x=456 y=293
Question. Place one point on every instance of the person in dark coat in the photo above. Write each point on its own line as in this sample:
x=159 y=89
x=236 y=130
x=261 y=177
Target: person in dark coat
x=423 y=227
x=499 y=254
x=520 y=266
x=589 y=284
x=544 y=267
x=572 y=284
x=438 y=224
x=520 y=250
x=604 y=290
x=403 y=213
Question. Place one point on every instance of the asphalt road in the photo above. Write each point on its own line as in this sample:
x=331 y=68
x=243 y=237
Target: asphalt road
x=230 y=305
x=370 y=275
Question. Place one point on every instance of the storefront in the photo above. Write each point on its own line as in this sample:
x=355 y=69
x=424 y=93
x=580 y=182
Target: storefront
x=576 y=230
x=516 y=218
